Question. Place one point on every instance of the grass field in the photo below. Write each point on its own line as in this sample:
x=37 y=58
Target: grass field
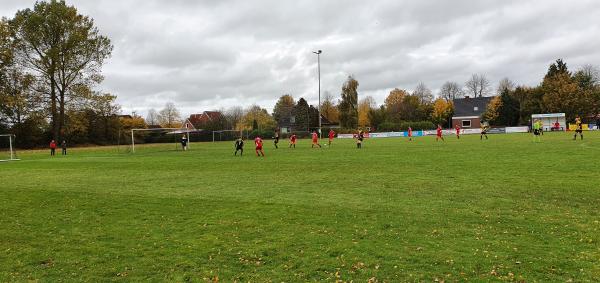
x=502 y=209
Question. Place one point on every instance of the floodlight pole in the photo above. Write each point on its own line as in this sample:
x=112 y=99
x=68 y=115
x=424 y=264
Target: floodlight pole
x=318 y=52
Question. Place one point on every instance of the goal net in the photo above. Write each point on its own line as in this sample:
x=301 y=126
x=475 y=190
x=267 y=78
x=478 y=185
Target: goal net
x=161 y=138
x=7 y=148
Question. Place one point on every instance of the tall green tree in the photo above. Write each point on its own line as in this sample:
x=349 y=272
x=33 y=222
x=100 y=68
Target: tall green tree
x=503 y=110
x=412 y=109
x=283 y=108
x=349 y=104
x=63 y=48
x=313 y=116
x=302 y=115
x=557 y=68
x=588 y=79
x=393 y=104
x=530 y=102
x=562 y=93
x=378 y=116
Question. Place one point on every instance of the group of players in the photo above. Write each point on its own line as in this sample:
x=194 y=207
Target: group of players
x=439 y=132
x=538 y=129
x=258 y=141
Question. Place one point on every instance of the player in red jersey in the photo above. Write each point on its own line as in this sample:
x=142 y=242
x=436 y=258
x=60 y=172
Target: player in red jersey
x=331 y=136
x=259 y=146
x=409 y=134
x=439 y=133
x=293 y=140
x=457 y=131
x=315 y=140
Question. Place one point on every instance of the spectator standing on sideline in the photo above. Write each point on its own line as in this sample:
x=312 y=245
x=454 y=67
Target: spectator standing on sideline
x=52 y=148
x=63 y=145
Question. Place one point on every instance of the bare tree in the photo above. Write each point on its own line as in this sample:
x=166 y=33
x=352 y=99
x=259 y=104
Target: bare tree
x=478 y=85
x=451 y=90
x=153 y=118
x=592 y=73
x=423 y=93
x=505 y=84
x=169 y=116
x=234 y=116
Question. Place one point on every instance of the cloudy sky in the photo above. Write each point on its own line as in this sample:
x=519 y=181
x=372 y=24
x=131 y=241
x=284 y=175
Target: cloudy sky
x=205 y=55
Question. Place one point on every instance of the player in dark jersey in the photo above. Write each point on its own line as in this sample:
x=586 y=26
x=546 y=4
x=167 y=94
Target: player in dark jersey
x=239 y=146
x=359 y=139
x=537 y=131
x=484 y=130
x=184 y=142
x=63 y=145
x=276 y=139
x=578 y=128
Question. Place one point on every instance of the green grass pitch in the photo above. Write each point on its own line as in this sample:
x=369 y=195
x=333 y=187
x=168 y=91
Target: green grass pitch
x=500 y=209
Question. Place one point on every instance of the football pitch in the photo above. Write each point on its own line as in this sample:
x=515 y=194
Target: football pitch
x=502 y=209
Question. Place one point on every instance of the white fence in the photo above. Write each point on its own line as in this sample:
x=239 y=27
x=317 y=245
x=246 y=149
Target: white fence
x=446 y=132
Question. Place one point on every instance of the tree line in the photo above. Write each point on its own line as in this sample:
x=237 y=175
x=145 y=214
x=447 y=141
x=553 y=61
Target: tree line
x=50 y=62
x=50 y=65
x=577 y=94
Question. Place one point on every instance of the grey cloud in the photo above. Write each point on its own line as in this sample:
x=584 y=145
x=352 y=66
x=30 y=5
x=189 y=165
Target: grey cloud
x=206 y=55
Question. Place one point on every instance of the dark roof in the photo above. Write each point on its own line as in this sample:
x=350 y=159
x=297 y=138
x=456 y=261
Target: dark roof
x=467 y=106
x=205 y=117
x=213 y=115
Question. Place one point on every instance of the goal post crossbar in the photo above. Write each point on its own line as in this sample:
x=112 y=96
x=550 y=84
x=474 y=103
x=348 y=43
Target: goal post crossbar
x=10 y=147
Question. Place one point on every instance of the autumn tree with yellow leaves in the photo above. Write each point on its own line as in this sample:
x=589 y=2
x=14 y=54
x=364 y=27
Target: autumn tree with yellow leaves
x=442 y=110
